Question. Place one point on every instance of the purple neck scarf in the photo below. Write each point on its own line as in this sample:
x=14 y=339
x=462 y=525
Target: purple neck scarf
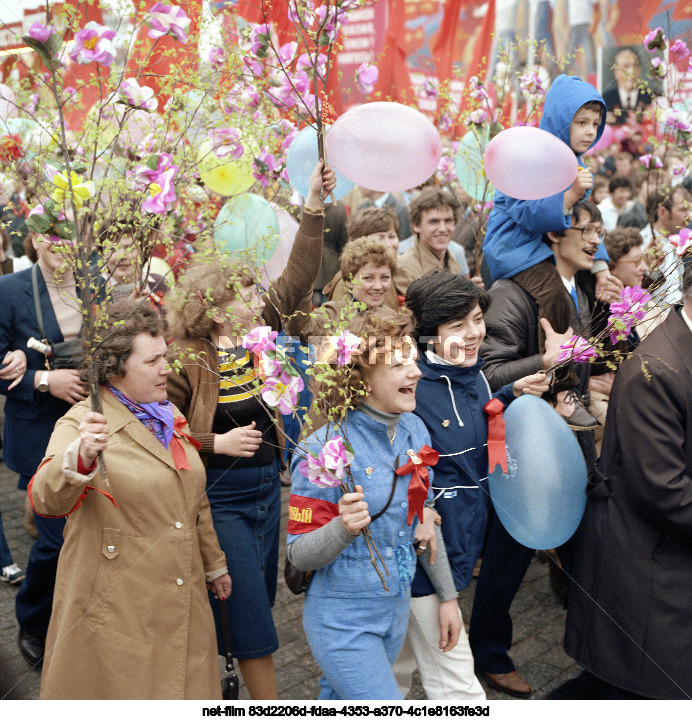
x=157 y=417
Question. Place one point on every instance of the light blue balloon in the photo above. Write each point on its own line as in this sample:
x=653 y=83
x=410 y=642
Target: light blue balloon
x=247 y=222
x=469 y=165
x=541 y=501
x=301 y=161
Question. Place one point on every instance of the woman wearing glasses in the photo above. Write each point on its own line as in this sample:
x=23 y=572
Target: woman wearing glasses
x=214 y=386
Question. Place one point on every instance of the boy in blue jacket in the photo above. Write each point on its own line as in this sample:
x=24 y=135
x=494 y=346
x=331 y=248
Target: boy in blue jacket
x=574 y=112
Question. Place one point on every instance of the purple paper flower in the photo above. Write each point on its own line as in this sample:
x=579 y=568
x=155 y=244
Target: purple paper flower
x=40 y=32
x=137 y=96
x=299 y=9
x=478 y=117
x=259 y=40
x=678 y=50
x=286 y=142
x=282 y=395
x=677 y=120
x=264 y=166
x=162 y=195
x=260 y=339
x=651 y=162
x=329 y=23
x=287 y=52
x=164 y=19
x=630 y=309
x=578 y=350
x=93 y=44
x=366 y=76
x=225 y=142
x=658 y=67
x=313 y=469
x=477 y=89
x=253 y=66
x=345 y=344
x=655 y=40
x=217 y=57
x=682 y=242
x=444 y=123
x=429 y=88
x=531 y=84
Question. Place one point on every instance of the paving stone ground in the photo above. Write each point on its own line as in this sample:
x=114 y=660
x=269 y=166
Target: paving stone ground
x=538 y=623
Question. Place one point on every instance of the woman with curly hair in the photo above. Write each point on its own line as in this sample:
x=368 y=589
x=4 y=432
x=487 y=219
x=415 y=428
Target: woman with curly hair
x=140 y=546
x=217 y=387
x=355 y=626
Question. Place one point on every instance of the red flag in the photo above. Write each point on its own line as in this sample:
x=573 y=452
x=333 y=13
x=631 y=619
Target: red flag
x=394 y=80
x=443 y=47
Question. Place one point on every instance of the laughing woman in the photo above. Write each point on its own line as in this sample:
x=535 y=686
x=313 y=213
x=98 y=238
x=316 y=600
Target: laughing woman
x=212 y=308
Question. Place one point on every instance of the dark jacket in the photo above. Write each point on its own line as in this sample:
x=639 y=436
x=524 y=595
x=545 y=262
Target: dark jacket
x=630 y=618
x=450 y=401
x=30 y=415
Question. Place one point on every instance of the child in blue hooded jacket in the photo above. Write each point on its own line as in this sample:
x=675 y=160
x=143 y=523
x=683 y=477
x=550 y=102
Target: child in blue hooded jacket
x=451 y=399
x=574 y=112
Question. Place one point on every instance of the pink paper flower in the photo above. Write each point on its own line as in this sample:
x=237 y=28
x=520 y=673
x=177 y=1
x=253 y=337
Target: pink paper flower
x=678 y=50
x=630 y=309
x=217 y=57
x=162 y=195
x=137 y=96
x=682 y=242
x=444 y=123
x=655 y=40
x=651 y=162
x=366 y=76
x=93 y=44
x=531 y=84
x=345 y=343
x=299 y=9
x=225 y=142
x=164 y=19
x=282 y=395
x=260 y=339
x=477 y=89
x=677 y=120
x=658 y=67
x=478 y=117
x=327 y=469
x=446 y=169
x=40 y=32
x=264 y=166
x=259 y=40
x=429 y=88
x=287 y=52
x=578 y=350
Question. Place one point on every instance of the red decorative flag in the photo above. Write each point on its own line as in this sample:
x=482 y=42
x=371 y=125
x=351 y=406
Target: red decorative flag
x=328 y=114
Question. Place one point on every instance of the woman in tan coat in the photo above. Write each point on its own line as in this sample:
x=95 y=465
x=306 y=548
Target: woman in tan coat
x=131 y=616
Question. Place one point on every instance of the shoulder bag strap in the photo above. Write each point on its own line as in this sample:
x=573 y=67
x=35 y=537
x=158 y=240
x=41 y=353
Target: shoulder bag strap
x=391 y=494
x=37 y=300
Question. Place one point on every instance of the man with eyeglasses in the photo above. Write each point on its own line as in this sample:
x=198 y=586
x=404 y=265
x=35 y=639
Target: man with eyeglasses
x=511 y=351
x=33 y=407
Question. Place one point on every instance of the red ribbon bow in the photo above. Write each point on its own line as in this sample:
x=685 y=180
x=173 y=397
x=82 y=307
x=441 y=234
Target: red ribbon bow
x=497 y=450
x=420 y=482
x=176 y=447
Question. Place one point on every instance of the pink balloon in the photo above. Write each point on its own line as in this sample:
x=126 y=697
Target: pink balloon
x=605 y=141
x=384 y=146
x=529 y=163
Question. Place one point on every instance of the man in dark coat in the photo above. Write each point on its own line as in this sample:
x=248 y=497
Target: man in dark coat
x=630 y=618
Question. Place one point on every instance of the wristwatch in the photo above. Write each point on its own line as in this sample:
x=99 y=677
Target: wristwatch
x=43 y=382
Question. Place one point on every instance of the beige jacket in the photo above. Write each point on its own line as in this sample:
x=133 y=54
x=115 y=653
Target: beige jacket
x=418 y=261
x=131 y=617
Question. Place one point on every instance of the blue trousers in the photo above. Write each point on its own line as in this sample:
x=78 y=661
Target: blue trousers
x=356 y=641
x=35 y=596
x=5 y=553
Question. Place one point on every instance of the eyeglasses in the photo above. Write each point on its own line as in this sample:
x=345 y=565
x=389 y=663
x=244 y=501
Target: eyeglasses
x=588 y=232
x=634 y=261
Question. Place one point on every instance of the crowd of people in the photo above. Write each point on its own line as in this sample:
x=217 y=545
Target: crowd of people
x=187 y=514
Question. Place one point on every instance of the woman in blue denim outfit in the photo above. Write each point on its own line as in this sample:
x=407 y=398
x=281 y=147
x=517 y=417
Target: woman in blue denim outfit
x=354 y=626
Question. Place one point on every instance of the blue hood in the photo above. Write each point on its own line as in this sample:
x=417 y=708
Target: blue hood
x=565 y=96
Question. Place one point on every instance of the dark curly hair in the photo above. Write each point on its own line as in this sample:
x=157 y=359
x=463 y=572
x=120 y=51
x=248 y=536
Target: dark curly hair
x=126 y=319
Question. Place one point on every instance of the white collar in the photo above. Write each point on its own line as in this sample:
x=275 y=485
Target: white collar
x=569 y=284
x=434 y=358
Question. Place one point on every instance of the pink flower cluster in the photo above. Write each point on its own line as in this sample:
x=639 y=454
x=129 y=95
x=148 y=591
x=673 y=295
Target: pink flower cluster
x=651 y=162
x=291 y=89
x=655 y=40
x=164 y=19
x=259 y=40
x=225 y=142
x=162 y=195
x=678 y=50
x=93 y=44
x=366 y=76
x=446 y=169
x=328 y=469
x=217 y=57
x=630 y=309
x=345 y=343
x=677 y=120
x=282 y=382
x=478 y=91
x=41 y=33
x=138 y=96
x=682 y=242
x=477 y=117
x=264 y=168
x=260 y=339
x=577 y=350
x=531 y=84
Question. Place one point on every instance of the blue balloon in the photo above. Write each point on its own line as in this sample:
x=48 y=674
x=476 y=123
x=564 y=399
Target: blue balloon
x=469 y=165
x=301 y=161
x=541 y=501
x=247 y=222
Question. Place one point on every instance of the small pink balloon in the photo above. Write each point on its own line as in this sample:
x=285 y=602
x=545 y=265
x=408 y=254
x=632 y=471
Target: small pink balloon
x=384 y=146
x=605 y=141
x=529 y=163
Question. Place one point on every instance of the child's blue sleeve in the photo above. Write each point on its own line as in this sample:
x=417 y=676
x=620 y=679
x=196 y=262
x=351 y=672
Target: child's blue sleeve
x=505 y=394
x=539 y=216
x=602 y=253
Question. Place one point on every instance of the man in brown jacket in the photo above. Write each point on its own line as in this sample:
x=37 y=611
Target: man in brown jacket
x=433 y=219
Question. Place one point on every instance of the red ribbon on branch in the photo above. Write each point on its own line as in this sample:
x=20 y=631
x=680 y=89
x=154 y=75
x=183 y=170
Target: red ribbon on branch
x=417 y=466
x=497 y=450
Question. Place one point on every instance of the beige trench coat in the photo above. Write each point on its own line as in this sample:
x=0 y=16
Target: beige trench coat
x=131 y=618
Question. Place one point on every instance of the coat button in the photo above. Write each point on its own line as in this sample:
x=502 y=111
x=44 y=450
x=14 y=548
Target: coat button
x=111 y=549
x=402 y=533
x=178 y=524
x=404 y=504
x=388 y=553
x=180 y=581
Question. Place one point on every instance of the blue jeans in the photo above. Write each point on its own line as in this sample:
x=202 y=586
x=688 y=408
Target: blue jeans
x=35 y=596
x=246 y=510
x=5 y=553
x=356 y=641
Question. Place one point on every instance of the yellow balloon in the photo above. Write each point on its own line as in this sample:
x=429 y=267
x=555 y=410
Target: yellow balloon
x=224 y=176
